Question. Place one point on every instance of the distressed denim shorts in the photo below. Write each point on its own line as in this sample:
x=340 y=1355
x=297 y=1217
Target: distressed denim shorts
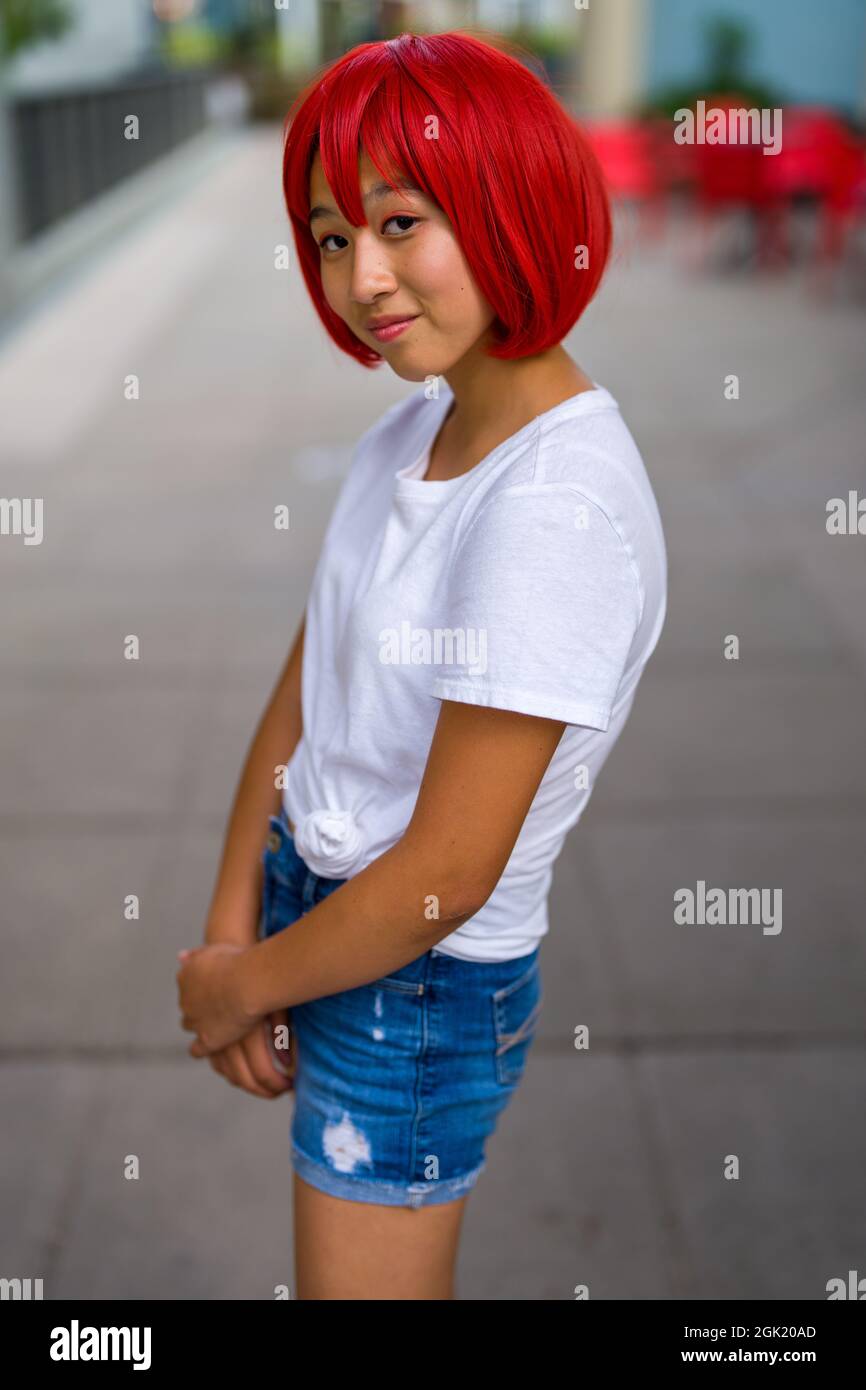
x=399 y=1083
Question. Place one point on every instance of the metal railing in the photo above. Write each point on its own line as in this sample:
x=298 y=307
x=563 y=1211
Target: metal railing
x=70 y=145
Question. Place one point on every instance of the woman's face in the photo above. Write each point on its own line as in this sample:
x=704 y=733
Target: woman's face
x=405 y=263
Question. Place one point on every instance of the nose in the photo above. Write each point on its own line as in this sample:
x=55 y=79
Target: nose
x=371 y=269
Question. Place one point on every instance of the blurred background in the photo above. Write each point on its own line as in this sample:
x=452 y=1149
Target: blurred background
x=189 y=67
x=164 y=384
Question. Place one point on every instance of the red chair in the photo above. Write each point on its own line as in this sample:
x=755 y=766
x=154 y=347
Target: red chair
x=627 y=152
x=733 y=176
x=822 y=160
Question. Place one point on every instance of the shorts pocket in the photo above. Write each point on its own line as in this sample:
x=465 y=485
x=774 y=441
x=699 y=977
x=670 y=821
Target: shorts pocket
x=275 y=855
x=516 y=1010
x=399 y=986
x=398 y=983
x=265 y=912
x=280 y=896
x=267 y=889
x=409 y=979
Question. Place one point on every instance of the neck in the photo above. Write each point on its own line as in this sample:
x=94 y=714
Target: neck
x=495 y=397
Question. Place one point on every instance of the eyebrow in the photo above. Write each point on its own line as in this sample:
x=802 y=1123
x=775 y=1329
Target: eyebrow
x=376 y=194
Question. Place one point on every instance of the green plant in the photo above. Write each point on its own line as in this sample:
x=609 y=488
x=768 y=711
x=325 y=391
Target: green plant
x=192 y=44
x=254 y=42
x=25 y=22
x=547 y=42
x=726 y=45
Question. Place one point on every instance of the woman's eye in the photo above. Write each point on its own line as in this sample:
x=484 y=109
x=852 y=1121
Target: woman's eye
x=402 y=217
x=406 y=222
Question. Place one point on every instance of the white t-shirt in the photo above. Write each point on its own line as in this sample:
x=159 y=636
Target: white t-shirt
x=534 y=582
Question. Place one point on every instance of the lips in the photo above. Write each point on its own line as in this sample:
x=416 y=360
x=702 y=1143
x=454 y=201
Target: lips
x=385 y=329
x=385 y=322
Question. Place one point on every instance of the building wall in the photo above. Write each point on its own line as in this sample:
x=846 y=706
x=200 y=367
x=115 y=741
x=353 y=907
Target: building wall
x=612 y=57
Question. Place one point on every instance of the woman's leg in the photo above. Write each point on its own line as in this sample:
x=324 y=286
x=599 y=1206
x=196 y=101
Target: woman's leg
x=358 y=1250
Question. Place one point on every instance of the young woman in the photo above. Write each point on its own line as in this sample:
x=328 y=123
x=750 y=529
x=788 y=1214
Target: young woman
x=491 y=585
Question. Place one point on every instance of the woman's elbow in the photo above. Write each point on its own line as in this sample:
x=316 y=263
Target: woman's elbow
x=444 y=891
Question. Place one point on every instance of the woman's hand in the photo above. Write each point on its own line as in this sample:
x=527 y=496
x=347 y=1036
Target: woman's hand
x=250 y=1064
x=209 y=997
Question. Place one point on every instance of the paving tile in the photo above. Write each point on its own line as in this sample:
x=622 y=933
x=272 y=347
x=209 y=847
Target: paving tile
x=77 y=974
x=122 y=749
x=47 y=1113
x=740 y=736
x=209 y=1214
x=570 y=1168
x=739 y=980
x=793 y=1219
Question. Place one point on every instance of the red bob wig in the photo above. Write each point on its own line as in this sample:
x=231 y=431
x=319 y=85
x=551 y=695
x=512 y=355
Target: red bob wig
x=488 y=142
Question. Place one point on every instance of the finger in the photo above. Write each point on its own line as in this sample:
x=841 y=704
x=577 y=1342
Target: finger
x=231 y=1065
x=283 y=1056
x=282 y=1059
x=258 y=1057
x=222 y=1063
x=240 y=1068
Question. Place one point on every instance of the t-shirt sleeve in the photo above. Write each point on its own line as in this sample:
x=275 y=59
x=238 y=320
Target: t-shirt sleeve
x=543 y=602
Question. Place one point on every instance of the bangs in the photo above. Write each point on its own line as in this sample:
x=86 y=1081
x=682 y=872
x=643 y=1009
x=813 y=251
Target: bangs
x=388 y=124
x=375 y=108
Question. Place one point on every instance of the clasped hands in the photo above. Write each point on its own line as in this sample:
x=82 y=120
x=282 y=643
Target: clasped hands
x=209 y=997
x=239 y=1045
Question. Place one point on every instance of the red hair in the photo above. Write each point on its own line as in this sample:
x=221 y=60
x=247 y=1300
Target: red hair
x=510 y=168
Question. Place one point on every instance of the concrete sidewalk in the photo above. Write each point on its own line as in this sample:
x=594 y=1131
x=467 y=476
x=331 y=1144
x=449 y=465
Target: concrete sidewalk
x=609 y=1167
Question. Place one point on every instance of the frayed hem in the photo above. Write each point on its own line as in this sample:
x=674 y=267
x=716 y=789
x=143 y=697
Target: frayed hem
x=389 y=1194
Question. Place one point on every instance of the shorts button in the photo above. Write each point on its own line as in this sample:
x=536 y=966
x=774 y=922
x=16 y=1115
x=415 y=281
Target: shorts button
x=273 y=841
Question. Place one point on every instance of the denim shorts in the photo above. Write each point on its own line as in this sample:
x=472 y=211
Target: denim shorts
x=399 y=1083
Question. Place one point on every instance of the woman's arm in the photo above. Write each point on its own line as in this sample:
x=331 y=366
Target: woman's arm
x=236 y=902
x=483 y=771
